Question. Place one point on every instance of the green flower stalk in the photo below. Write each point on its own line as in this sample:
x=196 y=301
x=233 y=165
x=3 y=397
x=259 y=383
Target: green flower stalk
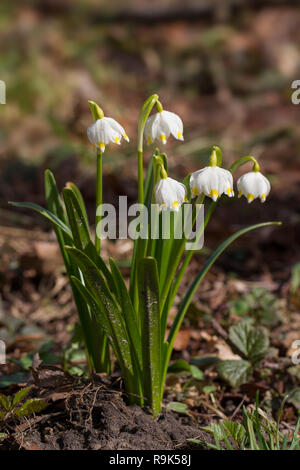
x=103 y=131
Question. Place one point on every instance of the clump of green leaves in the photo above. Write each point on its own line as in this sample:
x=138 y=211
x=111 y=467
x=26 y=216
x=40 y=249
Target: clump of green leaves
x=252 y=343
x=13 y=406
x=133 y=321
x=258 y=432
x=259 y=304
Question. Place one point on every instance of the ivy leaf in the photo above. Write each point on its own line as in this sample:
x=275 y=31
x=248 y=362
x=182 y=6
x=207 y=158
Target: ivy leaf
x=235 y=372
x=31 y=406
x=252 y=342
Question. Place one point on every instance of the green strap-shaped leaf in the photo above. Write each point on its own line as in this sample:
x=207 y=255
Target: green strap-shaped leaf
x=97 y=286
x=127 y=310
x=55 y=206
x=49 y=215
x=77 y=221
x=52 y=197
x=190 y=293
x=148 y=288
x=80 y=199
x=81 y=235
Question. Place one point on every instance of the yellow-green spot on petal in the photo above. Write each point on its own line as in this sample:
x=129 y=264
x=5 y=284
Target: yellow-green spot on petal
x=214 y=192
x=250 y=197
x=185 y=198
x=117 y=140
x=228 y=191
x=102 y=146
x=149 y=140
x=163 y=138
x=179 y=135
x=195 y=191
x=263 y=197
x=240 y=193
x=175 y=204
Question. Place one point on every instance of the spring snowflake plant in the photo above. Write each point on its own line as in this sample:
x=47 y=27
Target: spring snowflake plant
x=133 y=321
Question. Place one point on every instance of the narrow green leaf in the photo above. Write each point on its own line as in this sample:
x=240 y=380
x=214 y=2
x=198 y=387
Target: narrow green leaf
x=77 y=221
x=41 y=210
x=55 y=206
x=127 y=310
x=97 y=286
x=53 y=198
x=80 y=199
x=148 y=288
x=234 y=430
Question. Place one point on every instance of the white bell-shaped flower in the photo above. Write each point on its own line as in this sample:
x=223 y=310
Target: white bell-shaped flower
x=253 y=185
x=160 y=125
x=170 y=194
x=106 y=130
x=212 y=181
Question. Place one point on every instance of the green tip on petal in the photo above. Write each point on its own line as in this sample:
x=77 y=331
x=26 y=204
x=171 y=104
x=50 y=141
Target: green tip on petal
x=96 y=111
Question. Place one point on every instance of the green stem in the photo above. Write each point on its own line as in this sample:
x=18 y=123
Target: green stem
x=99 y=196
x=140 y=177
x=241 y=161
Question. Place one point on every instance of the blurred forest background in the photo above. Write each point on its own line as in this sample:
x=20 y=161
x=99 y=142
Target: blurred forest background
x=226 y=67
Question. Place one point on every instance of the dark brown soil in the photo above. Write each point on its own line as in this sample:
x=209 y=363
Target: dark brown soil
x=93 y=415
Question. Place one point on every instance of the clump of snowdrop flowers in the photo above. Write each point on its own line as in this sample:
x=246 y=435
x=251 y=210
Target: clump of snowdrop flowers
x=170 y=194
x=253 y=185
x=104 y=129
x=161 y=125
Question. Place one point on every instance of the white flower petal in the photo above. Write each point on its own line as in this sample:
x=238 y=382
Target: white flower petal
x=170 y=194
x=211 y=181
x=253 y=185
x=160 y=125
x=104 y=131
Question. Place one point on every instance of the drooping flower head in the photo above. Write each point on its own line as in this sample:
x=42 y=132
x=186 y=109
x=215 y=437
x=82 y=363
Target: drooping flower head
x=212 y=181
x=161 y=125
x=252 y=185
x=104 y=129
x=170 y=194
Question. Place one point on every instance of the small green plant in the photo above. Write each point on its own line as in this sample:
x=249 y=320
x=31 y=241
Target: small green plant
x=252 y=343
x=258 y=432
x=259 y=304
x=13 y=407
x=134 y=320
